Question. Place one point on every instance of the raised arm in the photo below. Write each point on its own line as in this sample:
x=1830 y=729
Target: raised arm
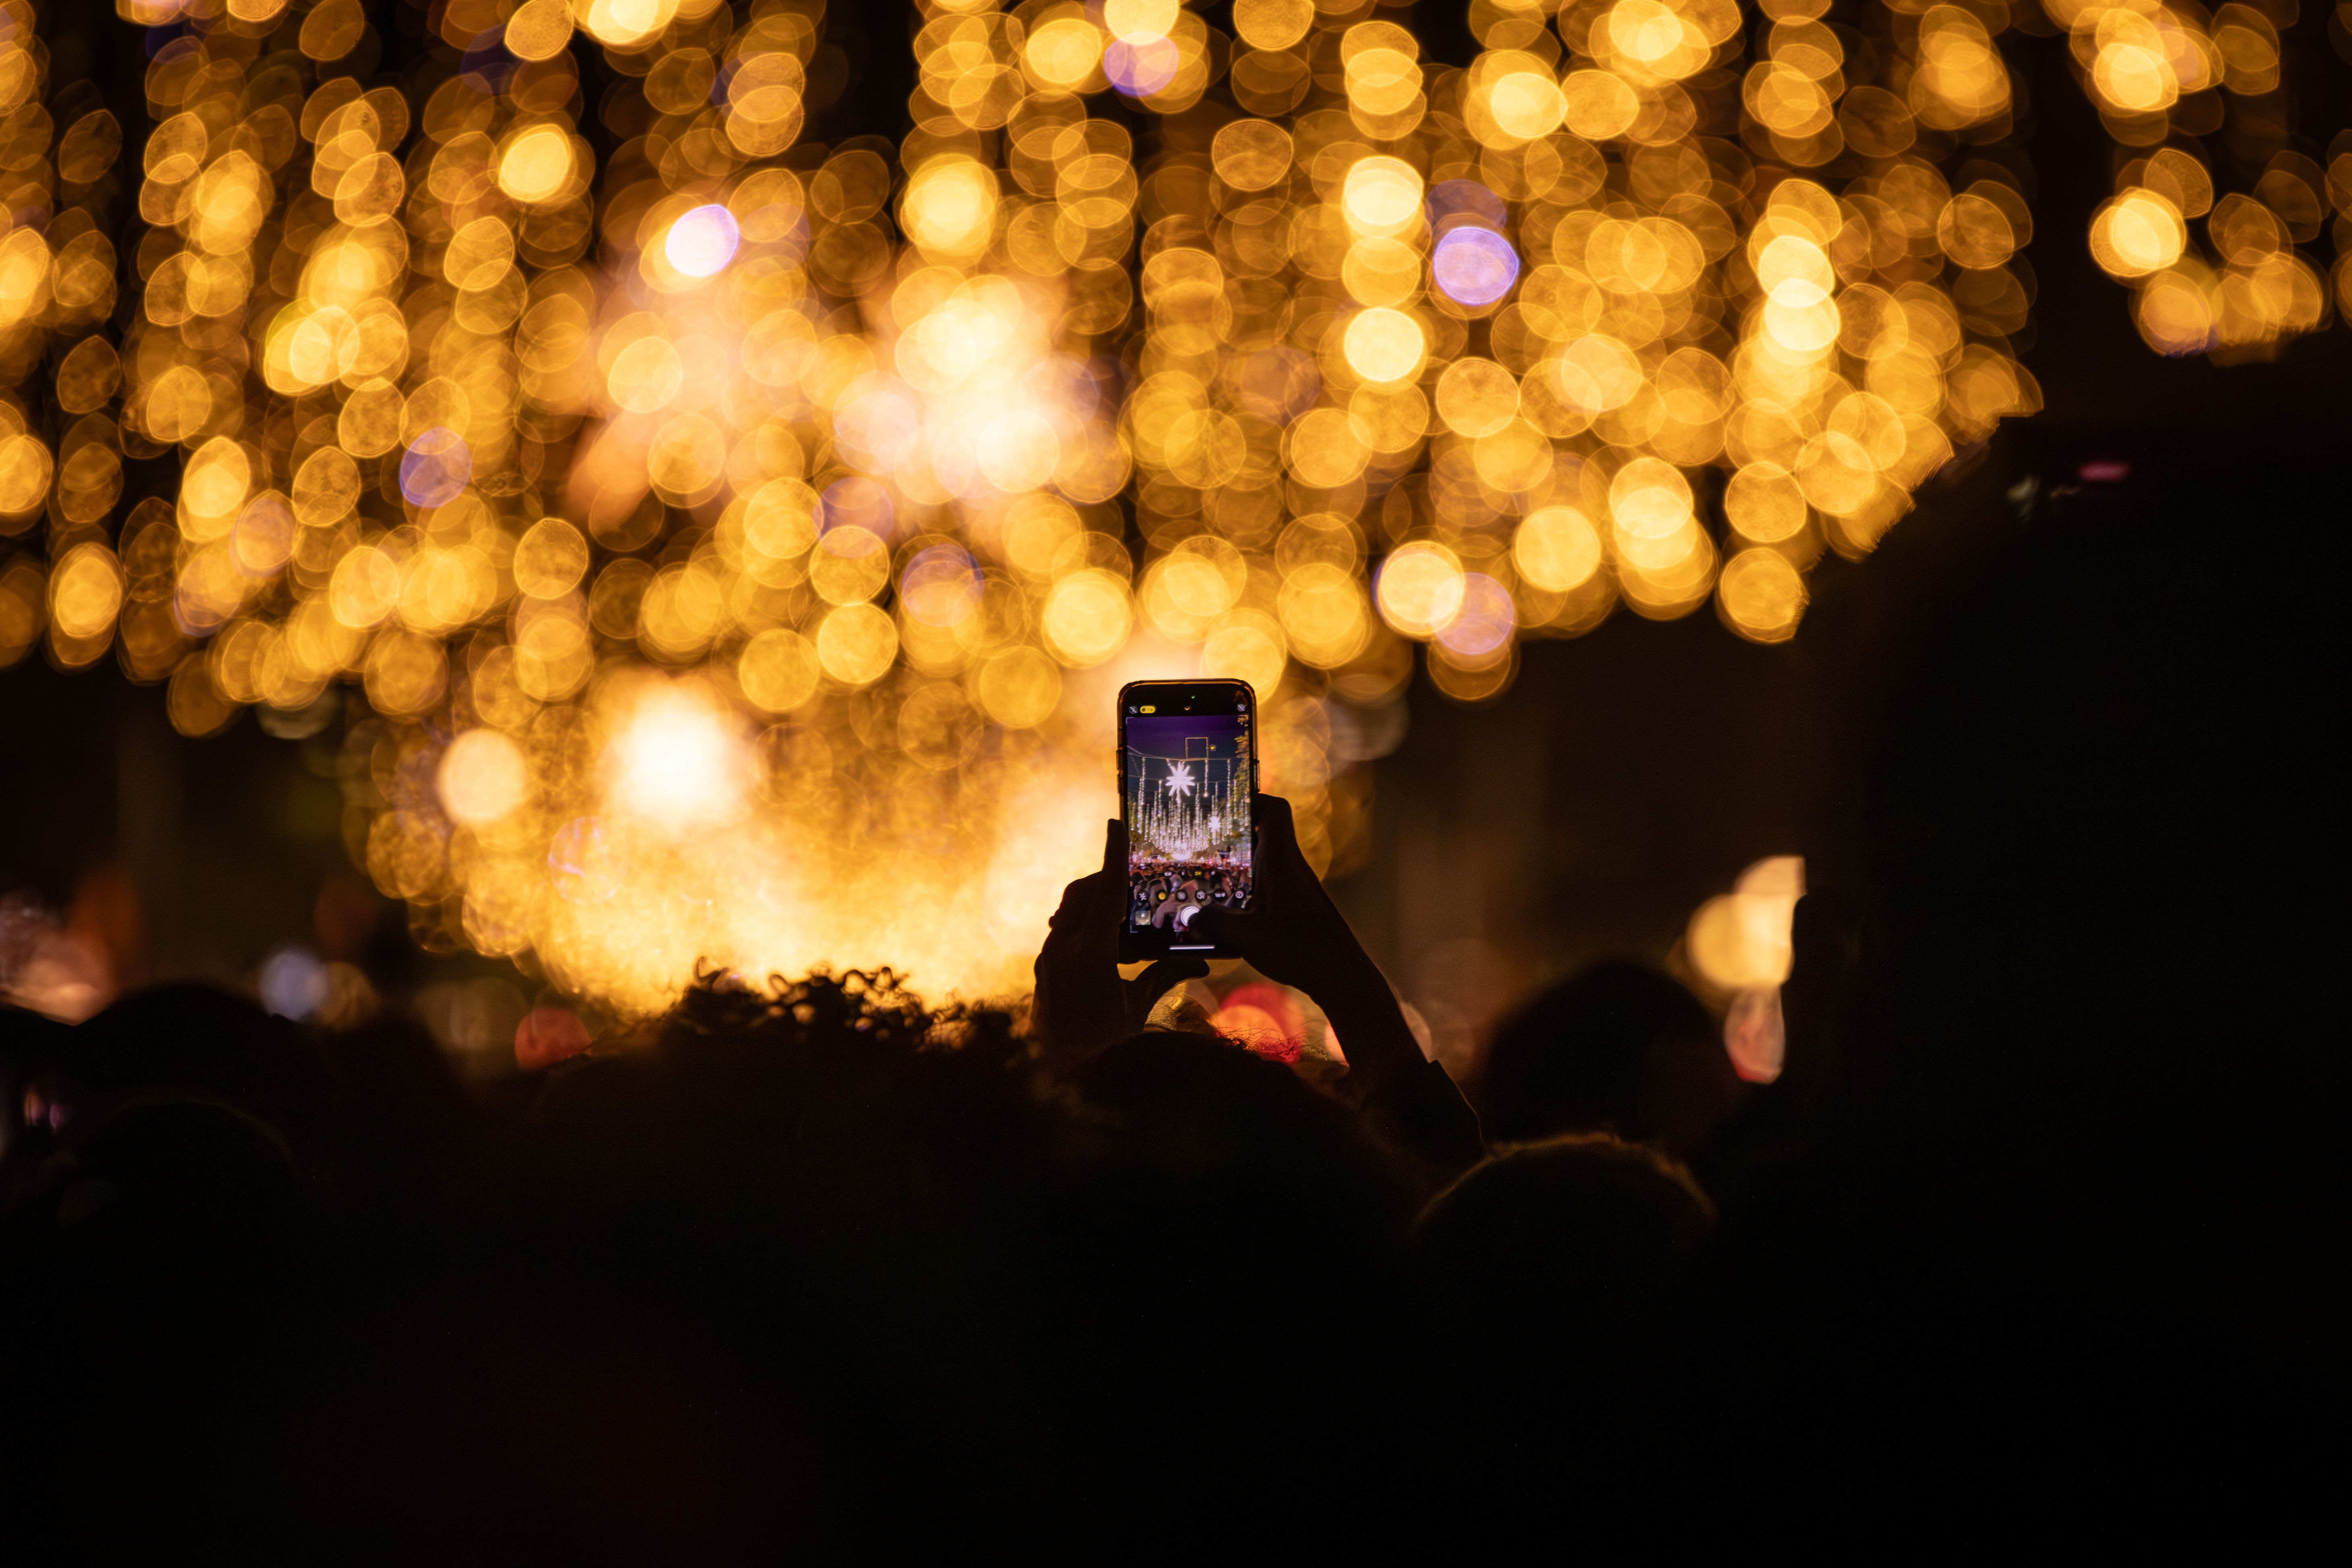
x=1294 y=933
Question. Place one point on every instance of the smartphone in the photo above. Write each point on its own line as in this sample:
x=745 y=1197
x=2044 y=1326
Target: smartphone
x=1187 y=770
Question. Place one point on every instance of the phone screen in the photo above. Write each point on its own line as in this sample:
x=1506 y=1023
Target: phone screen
x=1188 y=753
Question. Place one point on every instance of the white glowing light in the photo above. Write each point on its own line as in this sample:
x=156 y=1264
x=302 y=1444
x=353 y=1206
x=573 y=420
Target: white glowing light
x=702 y=242
x=679 y=763
x=1180 y=778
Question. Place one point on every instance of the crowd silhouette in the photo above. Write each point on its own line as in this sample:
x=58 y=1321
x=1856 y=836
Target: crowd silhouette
x=812 y=1269
x=1171 y=894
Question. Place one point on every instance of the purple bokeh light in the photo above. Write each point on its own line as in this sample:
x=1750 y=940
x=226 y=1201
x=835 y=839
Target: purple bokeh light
x=435 y=467
x=1474 y=265
x=1140 y=69
x=1484 y=623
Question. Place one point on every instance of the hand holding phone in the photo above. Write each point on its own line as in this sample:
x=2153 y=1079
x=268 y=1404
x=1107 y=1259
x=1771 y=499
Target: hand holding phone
x=1294 y=935
x=1188 y=776
x=1081 y=1004
x=1293 y=932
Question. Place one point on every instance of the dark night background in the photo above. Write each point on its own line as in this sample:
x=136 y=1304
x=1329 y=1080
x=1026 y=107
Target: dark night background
x=1625 y=777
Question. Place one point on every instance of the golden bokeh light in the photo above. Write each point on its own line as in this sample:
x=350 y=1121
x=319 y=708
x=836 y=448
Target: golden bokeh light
x=1761 y=595
x=1421 y=588
x=536 y=165
x=1557 y=549
x=2137 y=233
x=483 y=777
x=1381 y=195
x=1385 y=345
x=950 y=207
x=1741 y=940
x=736 y=535
x=856 y=644
x=85 y=592
x=1272 y=23
x=1087 y=617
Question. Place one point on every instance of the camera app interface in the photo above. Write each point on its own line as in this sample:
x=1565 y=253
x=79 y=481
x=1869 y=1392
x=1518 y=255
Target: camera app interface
x=1188 y=821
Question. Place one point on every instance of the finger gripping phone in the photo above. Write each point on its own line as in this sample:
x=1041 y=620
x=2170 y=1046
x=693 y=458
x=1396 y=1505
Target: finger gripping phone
x=1187 y=770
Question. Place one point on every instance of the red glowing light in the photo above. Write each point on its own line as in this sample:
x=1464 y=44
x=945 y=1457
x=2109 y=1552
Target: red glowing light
x=547 y=1035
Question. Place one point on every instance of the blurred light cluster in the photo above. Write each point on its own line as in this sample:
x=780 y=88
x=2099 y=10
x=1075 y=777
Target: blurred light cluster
x=726 y=551
x=1739 y=948
x=2166 y=77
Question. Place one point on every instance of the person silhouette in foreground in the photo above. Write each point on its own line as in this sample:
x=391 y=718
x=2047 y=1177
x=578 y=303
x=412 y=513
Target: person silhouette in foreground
x=1618 y=1048
x=1265 y=1280
x=2058 y=1003
x=160 y=1229
x=1237 y=1237
x=1555 y=1273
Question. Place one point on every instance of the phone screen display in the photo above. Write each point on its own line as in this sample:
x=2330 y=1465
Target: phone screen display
x=1188 y=779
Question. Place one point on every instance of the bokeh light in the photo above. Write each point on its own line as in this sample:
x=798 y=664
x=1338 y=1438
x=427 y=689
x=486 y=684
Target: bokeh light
x=483 y=777
x=701 y=243
x=434 y=471
x=677 y=760
x=1474 y=265
x=732 y=540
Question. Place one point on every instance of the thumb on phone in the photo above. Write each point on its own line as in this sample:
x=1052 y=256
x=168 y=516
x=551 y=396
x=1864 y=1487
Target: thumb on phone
x=1228 y=929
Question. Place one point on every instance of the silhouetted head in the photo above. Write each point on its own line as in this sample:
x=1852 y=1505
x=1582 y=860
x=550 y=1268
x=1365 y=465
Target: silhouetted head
x=202 y=1041
x=1560 y=1265
x=153 y=1232
x=1617 y=1049
x=171 y=1074
x=2098 y=828
x=1224 y=1261
x=395 y=1108
x=721 y=1280
x=1231 y=1161
x=2087 y=840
